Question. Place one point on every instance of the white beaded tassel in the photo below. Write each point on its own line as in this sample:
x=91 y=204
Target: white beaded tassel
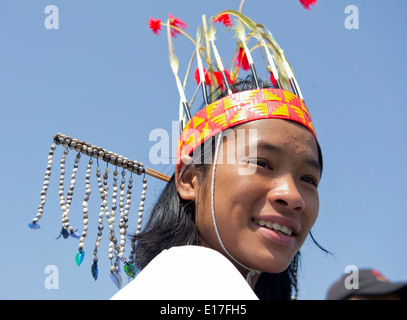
x=64 y=232
x=34 y=225
x=65 y=219
x=111 y=218
x=141 y=208
x=114 y=267
x=140 y=220
x=85 y=206
x=122 y=217
x=100 y=227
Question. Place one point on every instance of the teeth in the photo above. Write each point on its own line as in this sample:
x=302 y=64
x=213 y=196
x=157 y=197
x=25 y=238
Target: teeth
x=275 y=226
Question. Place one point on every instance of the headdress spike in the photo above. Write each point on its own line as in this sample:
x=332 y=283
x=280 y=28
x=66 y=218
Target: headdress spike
x=200 y=66
x=174 y=66
x=280 y=59
x=258 y=35
x=291 y=77
x=241 y=34
x=211 y=36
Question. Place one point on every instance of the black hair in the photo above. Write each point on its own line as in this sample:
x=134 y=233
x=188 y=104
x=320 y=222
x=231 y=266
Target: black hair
x=172 y=220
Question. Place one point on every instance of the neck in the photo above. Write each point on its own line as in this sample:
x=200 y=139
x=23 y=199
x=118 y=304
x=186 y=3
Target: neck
x=251 y=277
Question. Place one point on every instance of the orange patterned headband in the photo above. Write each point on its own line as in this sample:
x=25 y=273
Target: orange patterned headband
x=240 y=108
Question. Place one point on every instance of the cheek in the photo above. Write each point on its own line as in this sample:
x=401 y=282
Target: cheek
x=236 y=195
x=235 y=199
x=312 y=211
x=235 y=207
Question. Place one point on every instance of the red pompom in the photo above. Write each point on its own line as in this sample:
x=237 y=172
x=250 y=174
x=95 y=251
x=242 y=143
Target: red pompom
x=154 y=25
x=307 y=3
x=176 y=22
x=225 y=19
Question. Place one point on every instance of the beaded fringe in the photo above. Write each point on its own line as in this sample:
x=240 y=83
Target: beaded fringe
x=116 y=244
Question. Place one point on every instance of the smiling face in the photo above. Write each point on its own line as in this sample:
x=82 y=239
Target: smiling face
x=265 y=204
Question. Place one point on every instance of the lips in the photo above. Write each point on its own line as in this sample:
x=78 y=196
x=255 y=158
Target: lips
x=274 y=226
x=278 y=229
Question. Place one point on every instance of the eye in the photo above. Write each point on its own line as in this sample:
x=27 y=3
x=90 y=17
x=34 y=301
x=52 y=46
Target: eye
x=264 y=164
x=310 y=180
x=261 y=163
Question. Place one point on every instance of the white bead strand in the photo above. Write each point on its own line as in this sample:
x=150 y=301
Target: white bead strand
x=65 y=219
x=34 y=225
x=85 y=210
x=109 y=217
x=112 y=238
x=64 y=232
x=100 y=227
x=129 y=268
x=139 y=222
x=122 y=217
x=141 y=208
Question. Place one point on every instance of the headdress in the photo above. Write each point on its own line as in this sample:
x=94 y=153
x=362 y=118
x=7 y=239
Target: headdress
x=283 y=100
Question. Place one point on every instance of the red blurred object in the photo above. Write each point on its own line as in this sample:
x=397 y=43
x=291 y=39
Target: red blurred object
x=154 y=25
x=307 y=3
x=225 y=19
x=176 y=22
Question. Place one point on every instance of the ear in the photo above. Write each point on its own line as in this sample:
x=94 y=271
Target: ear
x=186 y=181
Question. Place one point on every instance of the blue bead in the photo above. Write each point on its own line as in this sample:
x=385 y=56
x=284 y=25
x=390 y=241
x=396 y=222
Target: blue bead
x=95 y=270
x=34 y=225
x=65 y=233
x=79 y=257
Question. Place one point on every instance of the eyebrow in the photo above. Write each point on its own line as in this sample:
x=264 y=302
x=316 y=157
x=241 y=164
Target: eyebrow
x=272 y=148
x=269 y=147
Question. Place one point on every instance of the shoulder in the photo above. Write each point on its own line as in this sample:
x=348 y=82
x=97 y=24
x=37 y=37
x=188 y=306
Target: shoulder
x=188 y=272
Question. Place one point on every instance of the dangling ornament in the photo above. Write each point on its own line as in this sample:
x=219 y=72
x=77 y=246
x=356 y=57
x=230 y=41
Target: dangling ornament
x=79 y=257
x=94 y=270
x=129 y=270
x=116 y=249
x=117 y=279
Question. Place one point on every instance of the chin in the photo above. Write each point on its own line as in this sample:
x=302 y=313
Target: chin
x=271 y=263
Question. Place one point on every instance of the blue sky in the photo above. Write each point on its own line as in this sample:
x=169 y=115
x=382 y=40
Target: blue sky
x=103 y=77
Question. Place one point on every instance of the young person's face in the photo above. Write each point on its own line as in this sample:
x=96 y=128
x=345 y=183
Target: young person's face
x=255 y=195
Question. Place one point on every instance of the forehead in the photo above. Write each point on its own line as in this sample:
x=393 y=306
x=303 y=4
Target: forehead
x=282 y=134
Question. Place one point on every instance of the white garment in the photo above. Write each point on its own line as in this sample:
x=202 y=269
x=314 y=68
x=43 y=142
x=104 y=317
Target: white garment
x=188 y=273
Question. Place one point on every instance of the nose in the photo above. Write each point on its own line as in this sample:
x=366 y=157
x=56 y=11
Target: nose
x=284 y=193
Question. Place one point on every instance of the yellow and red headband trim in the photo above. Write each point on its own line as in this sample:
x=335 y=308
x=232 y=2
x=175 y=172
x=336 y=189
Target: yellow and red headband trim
x=240 y=108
